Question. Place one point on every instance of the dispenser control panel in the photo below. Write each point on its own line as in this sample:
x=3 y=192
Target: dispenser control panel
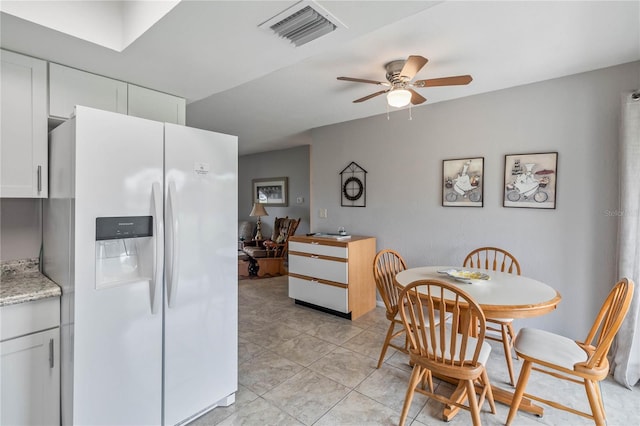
x=111 y=228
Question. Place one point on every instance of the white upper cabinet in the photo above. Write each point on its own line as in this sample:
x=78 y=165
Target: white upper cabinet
x=157 y=106
x=69 y=87
x=23 y=135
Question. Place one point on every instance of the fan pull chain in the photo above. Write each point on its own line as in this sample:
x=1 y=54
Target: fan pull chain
x=410 y=117
x=387 y=110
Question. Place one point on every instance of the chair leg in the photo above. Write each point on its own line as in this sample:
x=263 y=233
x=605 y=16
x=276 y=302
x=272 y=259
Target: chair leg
x=485 y=380
x=473 y=403
x=430 y=376
x=520 y=387
x=385 y=346
x=594 y=402
x=512 y=336
x=506 y=344
x=427 y=378
x=413 y=382
x=599 y=392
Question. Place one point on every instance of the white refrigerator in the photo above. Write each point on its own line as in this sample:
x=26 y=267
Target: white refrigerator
x=139 y=230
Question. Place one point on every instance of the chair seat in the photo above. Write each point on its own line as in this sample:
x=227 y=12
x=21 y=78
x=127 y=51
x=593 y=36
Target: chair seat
x=256 y=251
x=500 y=321
x=436 y=315
x=549 y=347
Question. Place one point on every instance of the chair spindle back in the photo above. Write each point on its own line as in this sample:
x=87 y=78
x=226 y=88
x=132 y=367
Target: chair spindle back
x=445 y=344
x=386 y=265
x=492 y=258
x=608 y=322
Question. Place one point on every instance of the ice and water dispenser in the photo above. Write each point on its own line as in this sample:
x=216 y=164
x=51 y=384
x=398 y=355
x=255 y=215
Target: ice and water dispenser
x=124 y=250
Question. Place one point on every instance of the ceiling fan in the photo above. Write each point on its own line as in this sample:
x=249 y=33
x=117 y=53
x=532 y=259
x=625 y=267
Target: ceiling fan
x=399 y=85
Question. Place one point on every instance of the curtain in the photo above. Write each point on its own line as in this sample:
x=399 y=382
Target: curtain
x=625 y=359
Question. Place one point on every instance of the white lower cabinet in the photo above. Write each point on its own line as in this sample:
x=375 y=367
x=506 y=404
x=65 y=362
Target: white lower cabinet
x=29 y=364
x=333 y=275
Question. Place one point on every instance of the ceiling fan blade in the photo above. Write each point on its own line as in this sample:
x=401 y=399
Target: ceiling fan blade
x=362 y=80
x=412 y=66
x=416 y=98
x=373 y=95
x=444 y=81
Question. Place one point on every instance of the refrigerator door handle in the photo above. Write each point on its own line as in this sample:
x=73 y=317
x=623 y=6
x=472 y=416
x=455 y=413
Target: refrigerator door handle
x=158 y=253
x=172 y=221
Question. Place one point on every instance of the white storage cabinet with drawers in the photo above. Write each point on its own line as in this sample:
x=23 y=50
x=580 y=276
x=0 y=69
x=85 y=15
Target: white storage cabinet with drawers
x=333 y=275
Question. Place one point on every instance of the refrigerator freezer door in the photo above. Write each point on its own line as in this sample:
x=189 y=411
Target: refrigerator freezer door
x=201 y=321
x=117 y=352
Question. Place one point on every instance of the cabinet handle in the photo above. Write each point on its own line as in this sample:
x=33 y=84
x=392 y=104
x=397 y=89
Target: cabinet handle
x=314 y=256
x=315 y=243
x=39 y=179
x=51 y=360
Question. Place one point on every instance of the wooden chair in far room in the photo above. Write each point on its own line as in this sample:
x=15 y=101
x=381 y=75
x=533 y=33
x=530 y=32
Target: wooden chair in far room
x=287 y=230
x=500 y=330
x=583 y=362
x=386 y=265
x=446 y=350
x=271 y=255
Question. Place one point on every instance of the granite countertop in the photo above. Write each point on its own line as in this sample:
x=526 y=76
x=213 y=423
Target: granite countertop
x=21 y=281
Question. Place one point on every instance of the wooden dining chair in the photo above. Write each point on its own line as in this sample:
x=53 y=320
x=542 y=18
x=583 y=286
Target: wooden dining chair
x=583 y=362
x=500 y=330
x=445 y=349
x=386 y=265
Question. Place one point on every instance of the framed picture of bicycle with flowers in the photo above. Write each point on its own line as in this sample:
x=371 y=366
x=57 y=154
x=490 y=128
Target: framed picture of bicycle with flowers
x=530 y=180
x=463 y=182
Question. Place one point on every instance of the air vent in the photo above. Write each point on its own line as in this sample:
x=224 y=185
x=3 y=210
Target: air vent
x=302 y=23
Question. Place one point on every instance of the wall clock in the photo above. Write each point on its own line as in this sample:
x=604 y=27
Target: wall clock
x=353 y=186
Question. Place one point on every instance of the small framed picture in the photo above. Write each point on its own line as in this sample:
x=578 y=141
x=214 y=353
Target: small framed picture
x=463 y=182
x=530 y=180
x=271 y=191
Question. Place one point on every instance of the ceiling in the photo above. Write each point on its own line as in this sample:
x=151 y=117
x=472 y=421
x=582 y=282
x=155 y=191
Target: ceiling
x=243 y=80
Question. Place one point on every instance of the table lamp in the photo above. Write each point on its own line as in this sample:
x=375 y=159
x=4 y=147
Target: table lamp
x=258 y=210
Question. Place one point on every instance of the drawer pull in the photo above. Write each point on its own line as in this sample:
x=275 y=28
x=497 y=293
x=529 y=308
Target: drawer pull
x=51 y=354
x=315 y=243
x=39 y=179
x=313 y=256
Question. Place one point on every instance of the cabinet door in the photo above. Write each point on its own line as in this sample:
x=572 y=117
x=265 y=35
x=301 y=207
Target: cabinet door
x=157 y=106
x=23 y=98
x=30 y=379
x=69 y=87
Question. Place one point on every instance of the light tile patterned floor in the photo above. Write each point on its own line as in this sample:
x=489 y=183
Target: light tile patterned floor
x=298 y=366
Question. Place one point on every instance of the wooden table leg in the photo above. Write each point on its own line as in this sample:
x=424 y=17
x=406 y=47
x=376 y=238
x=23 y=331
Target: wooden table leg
x=500 y=395
x=504 y=396
x=460 y=396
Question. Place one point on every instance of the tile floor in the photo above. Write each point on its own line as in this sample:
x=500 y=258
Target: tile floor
x=298 y=366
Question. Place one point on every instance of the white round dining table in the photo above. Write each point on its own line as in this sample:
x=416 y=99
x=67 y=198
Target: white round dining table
x=503 y=295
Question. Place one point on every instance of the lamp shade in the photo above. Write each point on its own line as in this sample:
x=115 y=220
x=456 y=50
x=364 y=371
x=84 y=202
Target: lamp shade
x=258 y=210
x=399 y=98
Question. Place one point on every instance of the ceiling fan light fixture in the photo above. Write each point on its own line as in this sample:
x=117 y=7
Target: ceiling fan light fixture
x=398 y=98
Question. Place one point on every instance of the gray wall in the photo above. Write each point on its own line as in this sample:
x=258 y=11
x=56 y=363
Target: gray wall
x=292 y=163
x=20 y=228
x=572 y=248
